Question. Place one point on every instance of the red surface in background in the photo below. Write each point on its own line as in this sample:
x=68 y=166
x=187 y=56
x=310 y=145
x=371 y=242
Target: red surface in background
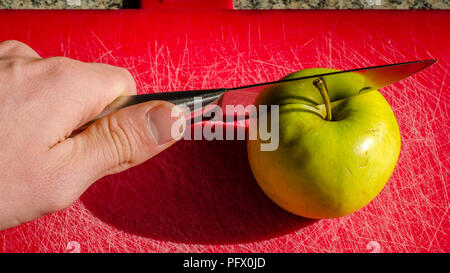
x=200 y=196
x=185 y=4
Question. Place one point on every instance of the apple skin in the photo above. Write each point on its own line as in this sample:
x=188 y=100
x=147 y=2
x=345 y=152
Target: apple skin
x=326 y=169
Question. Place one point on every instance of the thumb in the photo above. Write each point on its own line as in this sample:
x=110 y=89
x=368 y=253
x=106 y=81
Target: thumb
x=123 y=139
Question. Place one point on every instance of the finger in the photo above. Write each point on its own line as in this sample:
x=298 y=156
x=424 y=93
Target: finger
x=84 y=90
x=111 y=82
x=12 y=48
x=128 y=81
x=119 y=141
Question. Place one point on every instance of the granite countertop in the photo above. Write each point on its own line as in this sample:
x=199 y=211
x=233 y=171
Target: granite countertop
x=238 y=4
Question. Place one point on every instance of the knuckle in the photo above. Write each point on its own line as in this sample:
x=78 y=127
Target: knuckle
x=61 y=68
x=15 y=66
x=13 y=47
x=126 y=80
x=122 y=143
x=11 y=44
x=15 y=70
x=58 y=63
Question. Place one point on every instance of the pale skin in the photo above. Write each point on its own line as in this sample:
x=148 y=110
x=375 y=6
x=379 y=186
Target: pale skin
x=42 y=101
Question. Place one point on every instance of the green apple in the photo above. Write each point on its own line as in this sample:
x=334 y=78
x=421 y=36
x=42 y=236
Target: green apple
x=326 y=168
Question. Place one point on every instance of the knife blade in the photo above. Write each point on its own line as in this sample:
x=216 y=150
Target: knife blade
x=374 y=77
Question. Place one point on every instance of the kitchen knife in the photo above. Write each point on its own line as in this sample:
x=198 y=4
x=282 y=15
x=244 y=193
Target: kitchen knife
x=373 y=78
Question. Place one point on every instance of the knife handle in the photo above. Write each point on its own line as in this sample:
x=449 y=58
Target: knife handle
x=179 y=98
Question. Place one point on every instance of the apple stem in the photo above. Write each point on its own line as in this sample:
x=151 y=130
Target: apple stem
x=320 y=85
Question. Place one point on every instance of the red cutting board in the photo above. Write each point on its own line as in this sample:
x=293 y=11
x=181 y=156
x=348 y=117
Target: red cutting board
x=200 y=196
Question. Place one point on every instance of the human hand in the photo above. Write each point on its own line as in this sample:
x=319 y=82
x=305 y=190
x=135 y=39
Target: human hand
x=42 y=100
